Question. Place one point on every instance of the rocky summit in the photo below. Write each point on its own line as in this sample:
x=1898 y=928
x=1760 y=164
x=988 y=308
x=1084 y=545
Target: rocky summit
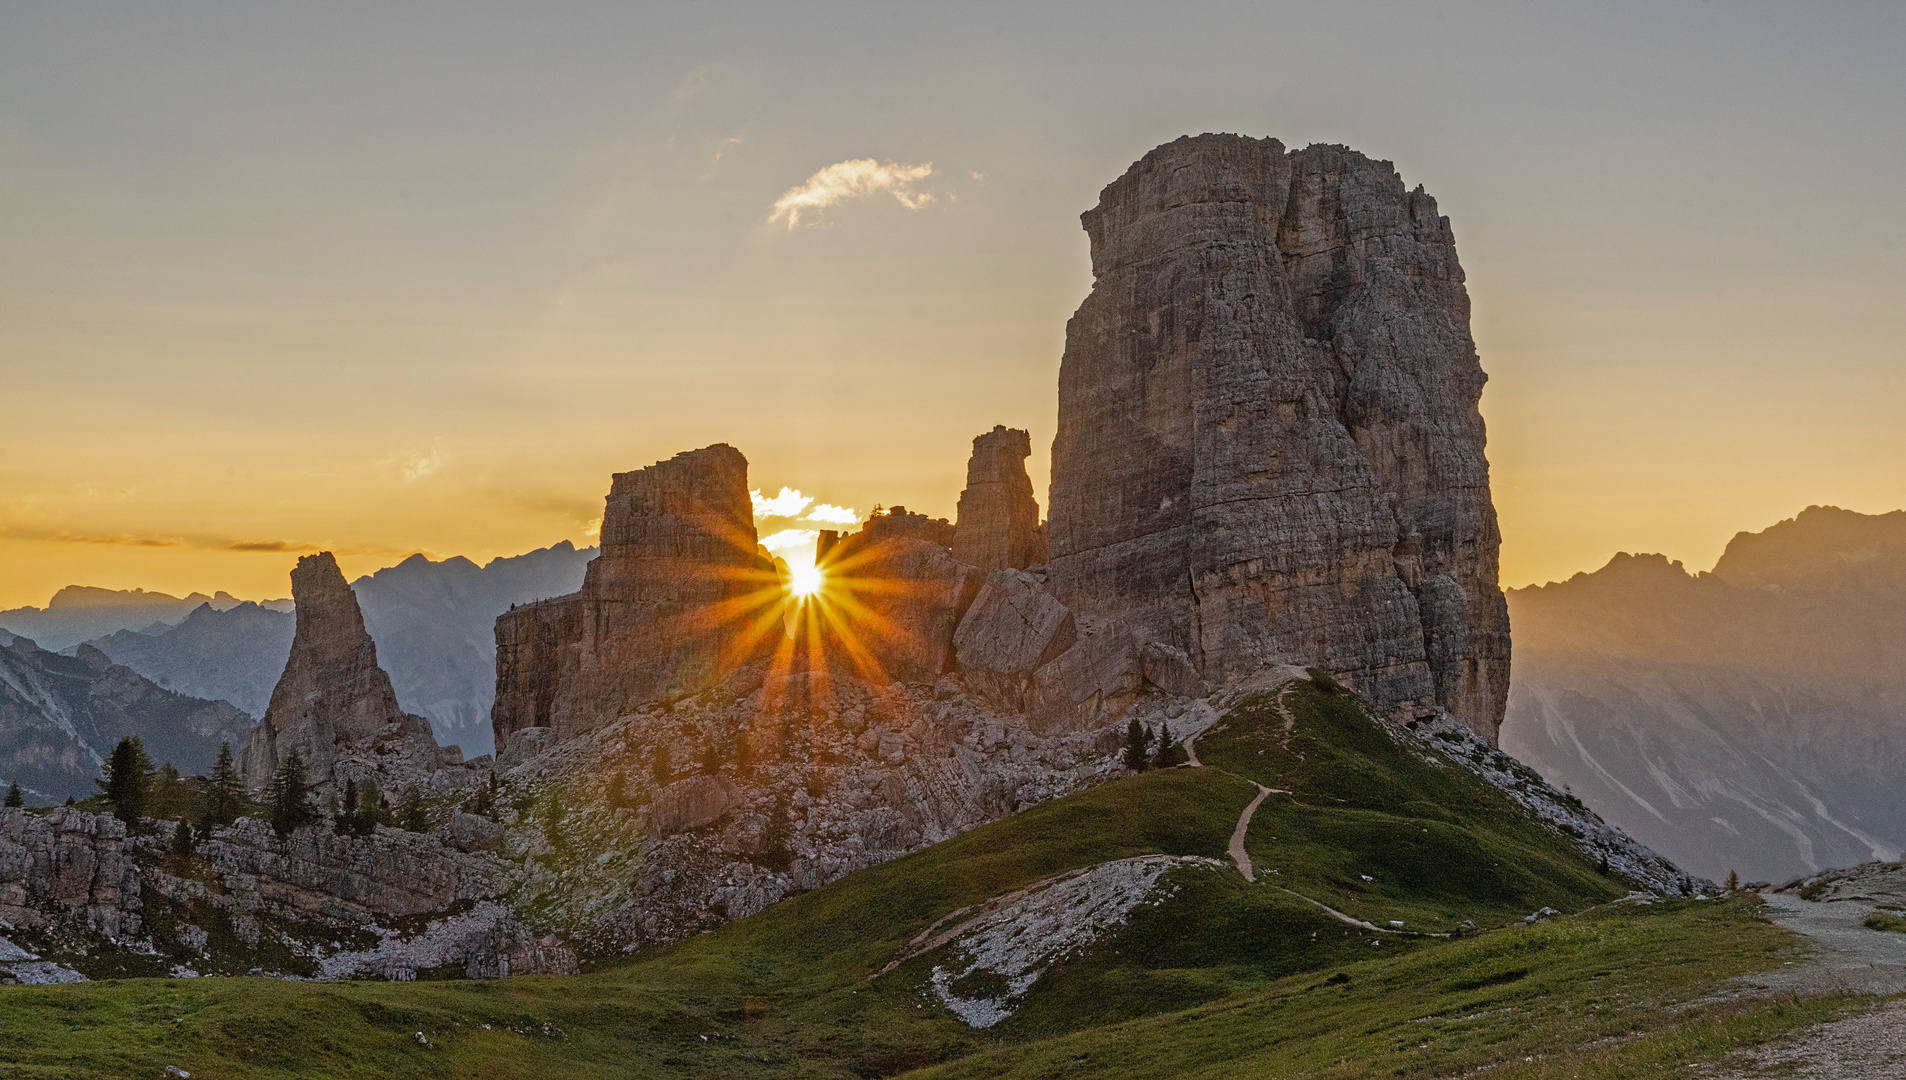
x=1269 y=447
x=333 y=701
x=998 y=526
x=663 y=610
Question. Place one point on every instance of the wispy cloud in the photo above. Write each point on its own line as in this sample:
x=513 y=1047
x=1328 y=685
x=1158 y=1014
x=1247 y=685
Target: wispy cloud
x=829 y=514
x=855 y=179
x=418 y=466
x=789 y=503
x=124 y=539
x=270 y=545
x=789 y=538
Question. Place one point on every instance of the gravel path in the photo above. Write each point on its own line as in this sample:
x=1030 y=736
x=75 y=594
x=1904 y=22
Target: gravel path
x=1846 y=958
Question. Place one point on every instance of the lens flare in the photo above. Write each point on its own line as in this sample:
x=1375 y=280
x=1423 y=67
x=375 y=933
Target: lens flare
x=804 y=581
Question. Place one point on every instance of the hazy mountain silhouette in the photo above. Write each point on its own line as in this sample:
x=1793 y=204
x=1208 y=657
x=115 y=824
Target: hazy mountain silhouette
x=79 y=612
x=1752 y=718
x=233 y=655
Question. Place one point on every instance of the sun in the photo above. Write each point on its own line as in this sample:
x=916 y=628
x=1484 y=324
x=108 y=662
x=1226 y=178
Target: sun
x=804 y=581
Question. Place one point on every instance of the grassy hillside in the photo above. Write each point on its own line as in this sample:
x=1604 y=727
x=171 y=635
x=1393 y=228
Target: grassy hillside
x=1216 y=969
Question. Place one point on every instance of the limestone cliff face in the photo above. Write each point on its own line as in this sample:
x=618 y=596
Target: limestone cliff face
x=1269 y=448
x=998 y=524
x=666 y=608
x=332 y=693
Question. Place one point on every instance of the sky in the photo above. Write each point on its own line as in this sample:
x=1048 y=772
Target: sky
x=385 y=278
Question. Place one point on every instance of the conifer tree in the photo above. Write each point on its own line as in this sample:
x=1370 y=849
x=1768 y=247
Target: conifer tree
x=369 y=813
x=1169 y=753
x=182 y=841
x=127 y=780
x=1136 y=741
x=14 y=797
x=289 y=799
x=411 y=814
x=347 y=814
x=223 y=792
x=1733 y=881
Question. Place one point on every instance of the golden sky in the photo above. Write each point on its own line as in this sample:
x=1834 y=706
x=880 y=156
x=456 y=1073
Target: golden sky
x=386 y=281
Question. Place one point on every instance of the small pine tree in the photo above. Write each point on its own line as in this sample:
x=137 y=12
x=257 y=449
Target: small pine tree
x=1169 y=753
x=128 y=776
x=347 y=811
x=288 y=803
x=663 y=769
x=616 y=793
x=14 y=798
x=412 y=815
x=1733 y=881
x=224 y=792
x=1604 y=866
x=1137 y=740
x=182 y=841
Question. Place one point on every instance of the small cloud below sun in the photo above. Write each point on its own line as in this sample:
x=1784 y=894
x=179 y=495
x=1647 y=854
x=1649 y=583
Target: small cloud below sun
x=788 y=504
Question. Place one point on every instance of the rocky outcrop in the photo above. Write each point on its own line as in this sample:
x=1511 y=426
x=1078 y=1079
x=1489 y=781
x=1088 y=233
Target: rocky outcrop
x=332 y=693
x=674 y=602
x=683 y=816
x=67 y=869
x=901 y=523
x=387 y=905
x=1013 y=628
x=998 y=523
x=900 y=602
x=1268 y=447
x=61 y=715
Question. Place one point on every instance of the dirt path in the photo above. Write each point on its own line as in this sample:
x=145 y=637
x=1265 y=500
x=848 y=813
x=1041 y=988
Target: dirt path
x=1238 y=854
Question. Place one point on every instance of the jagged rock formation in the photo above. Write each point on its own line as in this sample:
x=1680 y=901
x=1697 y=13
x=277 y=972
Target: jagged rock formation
x=61 y=715
x=998 y=523
x=1269 y=447
x=332 y=693
x=1744 y=719
x=668 y=606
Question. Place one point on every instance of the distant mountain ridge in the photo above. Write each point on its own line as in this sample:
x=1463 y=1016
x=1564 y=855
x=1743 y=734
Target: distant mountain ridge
x=1751 y=718
x=60 y=716
x=434 y=624
x=79 y=612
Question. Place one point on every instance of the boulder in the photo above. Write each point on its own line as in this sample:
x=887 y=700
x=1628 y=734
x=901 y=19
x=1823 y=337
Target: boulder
x=693 y=803
x=1013 y=628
